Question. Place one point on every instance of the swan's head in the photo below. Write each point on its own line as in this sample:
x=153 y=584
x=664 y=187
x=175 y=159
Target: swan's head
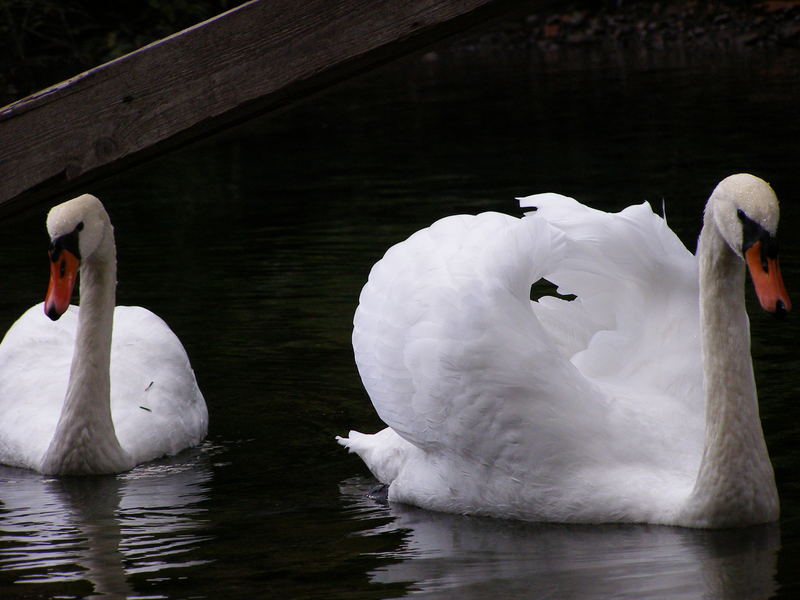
x=76 y=228
x=745 y=211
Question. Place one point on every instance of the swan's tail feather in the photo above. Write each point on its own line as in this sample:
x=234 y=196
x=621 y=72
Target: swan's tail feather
x=384 y=452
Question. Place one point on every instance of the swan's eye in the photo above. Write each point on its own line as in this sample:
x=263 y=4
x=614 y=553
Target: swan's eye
x=752 y=232
x=65 y=242
x=79 y=226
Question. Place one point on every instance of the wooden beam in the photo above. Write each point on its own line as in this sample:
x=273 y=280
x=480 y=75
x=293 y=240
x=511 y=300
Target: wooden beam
x=240 y=64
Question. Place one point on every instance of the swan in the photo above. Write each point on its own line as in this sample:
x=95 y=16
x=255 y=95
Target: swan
x=74 y=401
x=628 y=396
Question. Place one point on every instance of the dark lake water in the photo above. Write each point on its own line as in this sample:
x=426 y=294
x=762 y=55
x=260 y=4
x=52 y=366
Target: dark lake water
x=254 y=245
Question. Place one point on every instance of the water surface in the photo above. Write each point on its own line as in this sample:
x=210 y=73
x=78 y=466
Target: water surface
x=254 y=245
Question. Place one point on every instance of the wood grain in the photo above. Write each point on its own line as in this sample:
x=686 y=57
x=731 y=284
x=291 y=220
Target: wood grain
x=238 y=65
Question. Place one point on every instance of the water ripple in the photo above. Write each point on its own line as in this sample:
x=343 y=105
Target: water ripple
x=101 y=530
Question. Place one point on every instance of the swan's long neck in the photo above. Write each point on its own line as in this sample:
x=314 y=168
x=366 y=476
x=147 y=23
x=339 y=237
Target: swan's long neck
x=85 y=441
x=735 y=483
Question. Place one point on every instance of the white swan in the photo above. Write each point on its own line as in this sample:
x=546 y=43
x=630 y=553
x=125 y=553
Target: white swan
x=634 y=402
x=74 y=401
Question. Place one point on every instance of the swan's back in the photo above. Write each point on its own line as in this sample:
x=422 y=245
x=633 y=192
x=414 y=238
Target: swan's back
x=156 y=405
x=543 y=410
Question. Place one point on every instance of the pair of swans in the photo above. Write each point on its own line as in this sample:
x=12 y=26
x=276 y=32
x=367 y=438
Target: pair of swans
x=73 y=398
x=634 y=402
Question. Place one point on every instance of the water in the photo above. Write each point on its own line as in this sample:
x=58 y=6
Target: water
x=253 y=246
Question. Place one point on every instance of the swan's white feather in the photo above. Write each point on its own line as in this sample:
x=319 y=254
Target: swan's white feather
x=156 y=405
x=586 y=410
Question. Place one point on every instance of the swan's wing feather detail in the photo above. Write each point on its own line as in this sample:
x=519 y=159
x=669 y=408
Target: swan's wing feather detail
x=156 y=403
x=637 y=288
x=637 y=282
x=448 y=346
x=458 y=361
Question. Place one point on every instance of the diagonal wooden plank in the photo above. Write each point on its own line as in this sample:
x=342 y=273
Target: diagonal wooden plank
x=225 y=70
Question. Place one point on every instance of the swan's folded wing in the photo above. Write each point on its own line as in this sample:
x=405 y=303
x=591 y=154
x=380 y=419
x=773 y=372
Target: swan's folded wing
x=457 y=359
x=637 y=284
x=35 y=354
x=449 y=348
x=156 y=403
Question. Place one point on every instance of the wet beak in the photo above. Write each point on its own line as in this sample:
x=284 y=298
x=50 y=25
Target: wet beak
x=63 y=275
x=767 y=279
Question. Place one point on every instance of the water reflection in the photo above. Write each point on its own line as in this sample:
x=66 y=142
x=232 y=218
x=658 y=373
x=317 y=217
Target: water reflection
x=82 y=535
x=488 y=558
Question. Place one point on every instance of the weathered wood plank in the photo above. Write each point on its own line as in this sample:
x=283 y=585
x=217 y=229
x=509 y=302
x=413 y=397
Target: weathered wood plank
x=230 y=68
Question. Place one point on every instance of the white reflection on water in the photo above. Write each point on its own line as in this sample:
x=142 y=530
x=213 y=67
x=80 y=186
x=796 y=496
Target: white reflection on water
x=477 y=558
x=102 y=529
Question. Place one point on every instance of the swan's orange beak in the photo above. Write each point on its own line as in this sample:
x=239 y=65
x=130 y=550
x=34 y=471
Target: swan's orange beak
x=767 y=279
x=63 y=275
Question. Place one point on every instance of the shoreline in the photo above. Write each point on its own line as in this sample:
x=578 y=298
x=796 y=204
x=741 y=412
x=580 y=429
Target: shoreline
x=718 y=25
